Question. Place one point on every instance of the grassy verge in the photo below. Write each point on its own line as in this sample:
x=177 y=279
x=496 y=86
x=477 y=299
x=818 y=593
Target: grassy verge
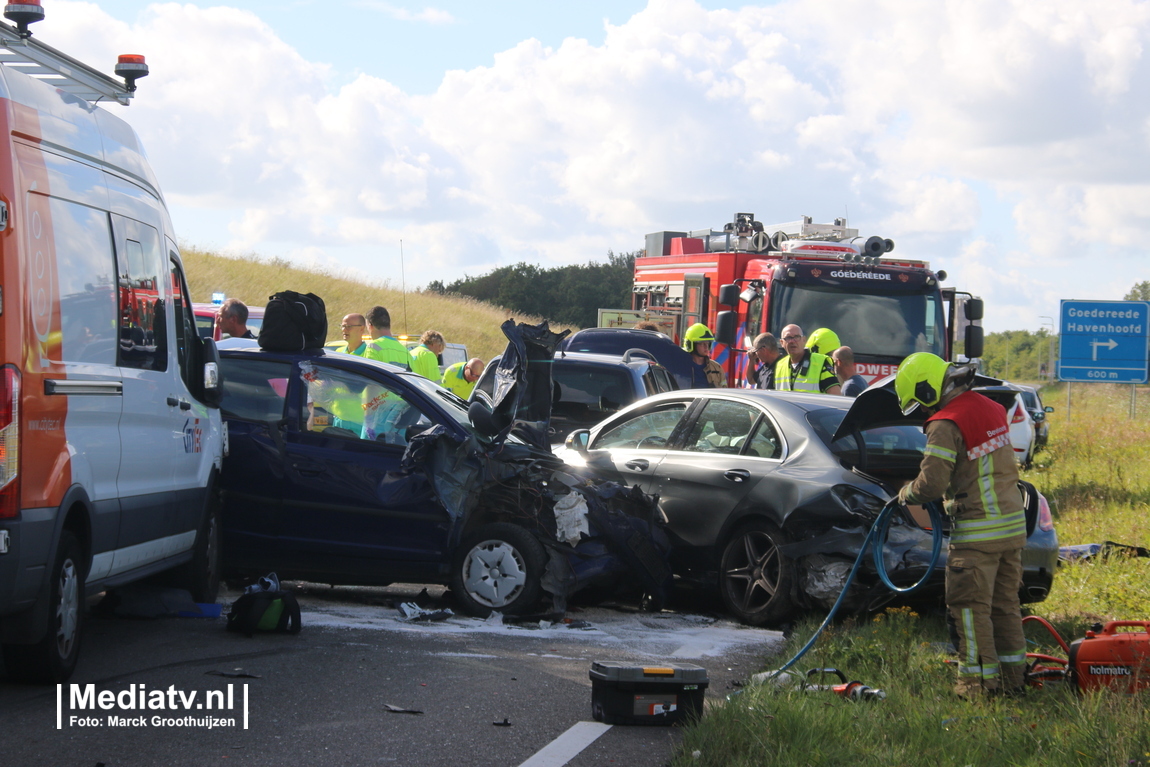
x=459 y=319
x=1096 y=473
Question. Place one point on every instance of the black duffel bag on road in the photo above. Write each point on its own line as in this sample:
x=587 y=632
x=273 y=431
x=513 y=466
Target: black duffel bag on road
x=293 y=322
x=276 y=611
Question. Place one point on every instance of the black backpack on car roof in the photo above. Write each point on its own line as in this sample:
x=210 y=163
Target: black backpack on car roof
x=293 y=322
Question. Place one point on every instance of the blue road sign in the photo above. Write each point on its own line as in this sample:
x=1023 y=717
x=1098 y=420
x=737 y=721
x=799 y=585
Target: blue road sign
x=1104 y=341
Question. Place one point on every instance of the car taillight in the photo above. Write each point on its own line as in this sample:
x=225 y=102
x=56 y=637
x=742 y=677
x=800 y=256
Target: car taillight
x=1045 y=520
x=10 y=444
x=1019 y=414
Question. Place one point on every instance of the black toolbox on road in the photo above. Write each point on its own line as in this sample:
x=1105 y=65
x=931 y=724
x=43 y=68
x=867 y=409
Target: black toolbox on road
x=623 y=693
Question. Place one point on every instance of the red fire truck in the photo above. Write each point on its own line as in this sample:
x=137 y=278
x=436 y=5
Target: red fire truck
x=750 y=278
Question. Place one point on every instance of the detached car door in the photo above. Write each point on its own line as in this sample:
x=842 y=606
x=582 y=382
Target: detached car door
x=348 y=509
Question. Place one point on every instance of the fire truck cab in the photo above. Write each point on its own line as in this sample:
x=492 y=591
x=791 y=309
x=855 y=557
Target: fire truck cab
x=749 y=278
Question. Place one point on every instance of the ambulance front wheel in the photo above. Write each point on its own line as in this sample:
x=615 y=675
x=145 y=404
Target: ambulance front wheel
x=201 y=576
x=53 y=659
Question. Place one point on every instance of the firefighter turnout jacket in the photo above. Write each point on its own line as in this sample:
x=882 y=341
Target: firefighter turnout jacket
x=969 y=460
x=716 y=377
x=814 y=373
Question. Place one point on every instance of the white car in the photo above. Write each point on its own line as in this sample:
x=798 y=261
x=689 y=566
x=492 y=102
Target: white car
x=1022 y=431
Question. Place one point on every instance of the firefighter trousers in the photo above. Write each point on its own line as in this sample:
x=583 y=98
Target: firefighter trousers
x=982 y=596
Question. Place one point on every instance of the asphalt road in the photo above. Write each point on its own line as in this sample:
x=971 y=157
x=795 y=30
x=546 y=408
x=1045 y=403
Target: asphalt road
x=322 y=697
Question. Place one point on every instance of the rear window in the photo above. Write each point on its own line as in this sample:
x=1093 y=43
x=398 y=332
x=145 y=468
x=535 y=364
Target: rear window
x=886 y=449
x=601 y=389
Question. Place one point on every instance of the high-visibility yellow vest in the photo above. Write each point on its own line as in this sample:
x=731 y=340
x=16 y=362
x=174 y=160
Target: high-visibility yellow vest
x=808 y=377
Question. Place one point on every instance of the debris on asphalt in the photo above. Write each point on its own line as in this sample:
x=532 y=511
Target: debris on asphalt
x=233 y=674
x=505 y=723
x=410 y=611
x=400 y=710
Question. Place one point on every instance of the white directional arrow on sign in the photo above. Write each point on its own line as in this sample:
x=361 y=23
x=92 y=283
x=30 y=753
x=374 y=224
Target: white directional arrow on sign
x=1110 y=344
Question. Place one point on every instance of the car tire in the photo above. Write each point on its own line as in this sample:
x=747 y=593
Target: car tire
x=754 y=578
x=498 y=568
x=202 y=575
x=53 y=659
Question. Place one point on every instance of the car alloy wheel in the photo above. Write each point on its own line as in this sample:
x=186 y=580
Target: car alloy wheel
x=755 y=577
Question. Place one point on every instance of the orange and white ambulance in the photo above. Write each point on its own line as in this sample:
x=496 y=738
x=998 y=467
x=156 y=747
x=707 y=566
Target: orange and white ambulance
x=110 y=432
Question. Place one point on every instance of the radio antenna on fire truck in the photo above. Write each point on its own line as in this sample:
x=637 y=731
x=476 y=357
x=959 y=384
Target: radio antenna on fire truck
x=43 y=62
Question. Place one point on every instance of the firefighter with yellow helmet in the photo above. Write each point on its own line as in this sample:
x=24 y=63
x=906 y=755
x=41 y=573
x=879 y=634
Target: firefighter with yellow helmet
x=823 y=341
x=969 y=460
x=697 y=341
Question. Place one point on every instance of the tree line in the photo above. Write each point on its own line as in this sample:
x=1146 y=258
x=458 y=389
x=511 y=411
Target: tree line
x=570 y=295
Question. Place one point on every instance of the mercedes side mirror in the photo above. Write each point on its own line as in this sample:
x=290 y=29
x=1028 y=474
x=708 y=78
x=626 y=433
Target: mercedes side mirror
x=578 y=441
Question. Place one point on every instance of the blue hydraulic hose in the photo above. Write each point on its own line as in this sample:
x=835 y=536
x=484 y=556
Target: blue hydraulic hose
x=877 y=537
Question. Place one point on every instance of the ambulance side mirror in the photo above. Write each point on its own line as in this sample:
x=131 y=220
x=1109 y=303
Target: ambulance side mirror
x=213 y=382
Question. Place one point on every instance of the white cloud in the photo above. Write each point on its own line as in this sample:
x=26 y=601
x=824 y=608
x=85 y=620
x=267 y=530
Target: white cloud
x=897 y=111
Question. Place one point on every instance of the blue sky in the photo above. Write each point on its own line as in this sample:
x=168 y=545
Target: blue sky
x=1004 y=141
x=413 y=44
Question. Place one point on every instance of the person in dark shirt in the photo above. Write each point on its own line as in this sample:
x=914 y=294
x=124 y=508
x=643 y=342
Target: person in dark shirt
x=233 y=319
x=847 y=372
x=766 y=352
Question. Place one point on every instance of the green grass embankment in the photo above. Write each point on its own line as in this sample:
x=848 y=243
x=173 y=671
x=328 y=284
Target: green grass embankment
x=459 y=319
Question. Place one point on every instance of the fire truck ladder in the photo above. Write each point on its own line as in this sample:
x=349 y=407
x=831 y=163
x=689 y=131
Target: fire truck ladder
x=43 y=62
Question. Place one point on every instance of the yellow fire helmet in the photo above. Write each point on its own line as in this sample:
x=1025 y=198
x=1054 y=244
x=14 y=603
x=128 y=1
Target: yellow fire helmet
x=919 y=380
x=823 y=341
x=695 y=333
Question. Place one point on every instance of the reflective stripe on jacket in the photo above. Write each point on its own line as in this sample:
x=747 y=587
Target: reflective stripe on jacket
x=984 y=500
x=387 y=349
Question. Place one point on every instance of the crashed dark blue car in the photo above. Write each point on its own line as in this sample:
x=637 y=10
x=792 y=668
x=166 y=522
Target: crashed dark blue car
x=348 y=471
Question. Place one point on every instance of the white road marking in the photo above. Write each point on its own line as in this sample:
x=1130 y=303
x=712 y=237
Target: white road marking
x=568 y=745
